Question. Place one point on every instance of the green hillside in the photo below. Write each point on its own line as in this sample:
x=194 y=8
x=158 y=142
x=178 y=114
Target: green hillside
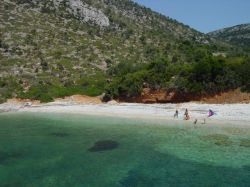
x=238 y=35
x=54 y=48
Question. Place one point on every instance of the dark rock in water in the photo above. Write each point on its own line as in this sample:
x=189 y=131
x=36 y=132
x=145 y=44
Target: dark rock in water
x=4 y=156
x=104 y=145
x=59 y=134
x=245 y=143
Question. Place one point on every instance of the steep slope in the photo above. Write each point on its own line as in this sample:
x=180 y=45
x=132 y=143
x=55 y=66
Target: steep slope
x=55 y=48
x=238 y=35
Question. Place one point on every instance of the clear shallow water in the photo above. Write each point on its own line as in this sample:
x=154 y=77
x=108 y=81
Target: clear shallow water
x=54 y=150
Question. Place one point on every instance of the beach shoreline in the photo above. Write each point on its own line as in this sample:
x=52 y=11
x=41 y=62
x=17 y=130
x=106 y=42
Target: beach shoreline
x=226 y=114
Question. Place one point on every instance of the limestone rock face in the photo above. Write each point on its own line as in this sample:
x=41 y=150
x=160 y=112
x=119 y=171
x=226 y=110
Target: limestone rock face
x=88 y=13
x=83 y=11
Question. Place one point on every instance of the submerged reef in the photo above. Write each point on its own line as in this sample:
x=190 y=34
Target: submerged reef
x=104 y=145
x=245 y=143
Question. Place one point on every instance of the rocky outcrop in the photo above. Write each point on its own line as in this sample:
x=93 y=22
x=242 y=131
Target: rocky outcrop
x=113 y=102
x=230 y=97
x=156 y=96
x=85 y=12
x=149 y=96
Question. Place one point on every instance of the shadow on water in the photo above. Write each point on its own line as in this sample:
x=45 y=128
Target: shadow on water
x=104 y=145
x=167 y=170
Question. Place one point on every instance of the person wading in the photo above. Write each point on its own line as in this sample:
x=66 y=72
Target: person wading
x=186 y=115
x=176 y=114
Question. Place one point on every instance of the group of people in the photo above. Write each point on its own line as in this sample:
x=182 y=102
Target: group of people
x=187 y=117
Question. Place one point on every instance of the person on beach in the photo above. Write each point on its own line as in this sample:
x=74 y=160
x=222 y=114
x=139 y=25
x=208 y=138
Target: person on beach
x=186 y=115
x=210 y=113
x=176 y=114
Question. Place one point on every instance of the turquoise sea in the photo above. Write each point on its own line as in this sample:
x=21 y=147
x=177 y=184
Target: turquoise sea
x=75 y=150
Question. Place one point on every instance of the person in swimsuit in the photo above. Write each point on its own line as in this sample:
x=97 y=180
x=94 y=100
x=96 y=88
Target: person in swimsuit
x=186 y=115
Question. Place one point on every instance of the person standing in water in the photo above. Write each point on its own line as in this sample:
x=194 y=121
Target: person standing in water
x=186 y=115
x=176 y=114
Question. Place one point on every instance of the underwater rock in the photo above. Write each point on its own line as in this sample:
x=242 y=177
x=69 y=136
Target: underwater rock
x=245 y=143
x=218 y=139
x=104 y=145
x=4 y=156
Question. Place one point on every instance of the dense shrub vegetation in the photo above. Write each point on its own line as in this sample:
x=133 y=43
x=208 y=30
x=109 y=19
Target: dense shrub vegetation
x=209 y=75
x=45 y=92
